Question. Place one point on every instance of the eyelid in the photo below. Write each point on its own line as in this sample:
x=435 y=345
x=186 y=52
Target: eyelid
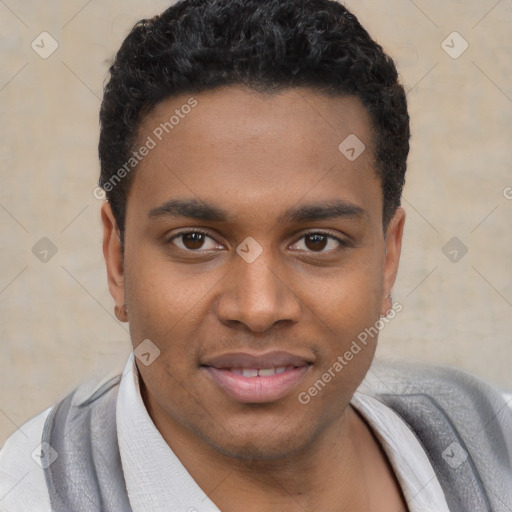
x=186 y=231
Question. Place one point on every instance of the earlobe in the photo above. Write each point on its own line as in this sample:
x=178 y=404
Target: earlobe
x=393 y=248
x=112 y=251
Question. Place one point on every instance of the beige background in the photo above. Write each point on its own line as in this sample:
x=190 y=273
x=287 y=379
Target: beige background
x=57 y=326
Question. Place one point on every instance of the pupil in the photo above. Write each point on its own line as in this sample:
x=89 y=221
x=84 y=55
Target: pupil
x=193 y=240
x=316 y=242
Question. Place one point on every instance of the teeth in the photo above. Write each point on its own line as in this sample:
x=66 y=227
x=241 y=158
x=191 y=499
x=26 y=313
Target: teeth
x=255 y=372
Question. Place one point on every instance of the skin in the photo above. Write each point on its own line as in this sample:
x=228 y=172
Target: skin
x=257 y=156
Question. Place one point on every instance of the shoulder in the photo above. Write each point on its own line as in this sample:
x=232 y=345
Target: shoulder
x=438 y=381
x=22 y=480
x=462 y=422
x=443 y=395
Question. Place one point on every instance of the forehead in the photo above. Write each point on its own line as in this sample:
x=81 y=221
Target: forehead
x=232 y=142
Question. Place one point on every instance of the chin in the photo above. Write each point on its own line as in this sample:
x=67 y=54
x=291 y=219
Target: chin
x=263 y=444
x=254 y=451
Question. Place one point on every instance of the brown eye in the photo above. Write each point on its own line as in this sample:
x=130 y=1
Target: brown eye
x=321 y=243
x=316 y=242
x=194 y=241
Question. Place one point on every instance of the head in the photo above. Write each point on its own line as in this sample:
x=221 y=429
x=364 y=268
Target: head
x=253 y=154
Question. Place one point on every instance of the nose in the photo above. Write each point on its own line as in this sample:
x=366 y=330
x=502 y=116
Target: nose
x=257 y=297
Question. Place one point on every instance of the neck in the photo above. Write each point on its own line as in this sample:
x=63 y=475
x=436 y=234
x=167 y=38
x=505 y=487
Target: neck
x=325 y=476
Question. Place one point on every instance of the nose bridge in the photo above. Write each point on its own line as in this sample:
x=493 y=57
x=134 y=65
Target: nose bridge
x=257 y=295
x=259 y=279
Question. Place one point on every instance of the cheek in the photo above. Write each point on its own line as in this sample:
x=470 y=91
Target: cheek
x=164 y=296
x=347 y=308
x=350 y=298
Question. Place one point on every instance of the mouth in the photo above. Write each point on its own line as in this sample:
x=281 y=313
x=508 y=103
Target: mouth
x=265 y=378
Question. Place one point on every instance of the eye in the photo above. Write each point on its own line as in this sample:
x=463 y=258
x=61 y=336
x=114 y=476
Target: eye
x=318 y=242
x=194 y=240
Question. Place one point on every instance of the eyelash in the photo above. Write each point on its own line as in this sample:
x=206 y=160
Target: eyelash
x=342 y=243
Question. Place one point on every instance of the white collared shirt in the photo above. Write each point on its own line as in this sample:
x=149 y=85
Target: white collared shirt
x=157 y=481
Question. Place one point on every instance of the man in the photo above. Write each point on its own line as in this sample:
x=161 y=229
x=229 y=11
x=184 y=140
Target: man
x=253 y=155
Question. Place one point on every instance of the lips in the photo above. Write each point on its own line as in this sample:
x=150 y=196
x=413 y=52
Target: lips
x=260 y=378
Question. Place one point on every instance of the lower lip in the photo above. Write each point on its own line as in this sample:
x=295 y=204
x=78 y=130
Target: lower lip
x=257 y=389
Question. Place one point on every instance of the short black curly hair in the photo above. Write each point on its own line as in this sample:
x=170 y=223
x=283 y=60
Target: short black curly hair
x=266 y=45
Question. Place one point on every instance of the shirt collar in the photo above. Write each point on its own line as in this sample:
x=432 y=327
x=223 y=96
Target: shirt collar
x=412 y=468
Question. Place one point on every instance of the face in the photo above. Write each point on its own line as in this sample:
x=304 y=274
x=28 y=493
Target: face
x=254 y=257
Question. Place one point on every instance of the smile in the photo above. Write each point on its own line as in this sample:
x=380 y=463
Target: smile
x=257 y=379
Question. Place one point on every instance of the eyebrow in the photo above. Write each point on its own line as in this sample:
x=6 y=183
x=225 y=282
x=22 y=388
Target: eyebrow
x=192 y=208
x=200 y=210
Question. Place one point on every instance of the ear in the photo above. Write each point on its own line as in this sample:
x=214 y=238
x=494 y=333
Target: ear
x=393 y=244
x=114 y=260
